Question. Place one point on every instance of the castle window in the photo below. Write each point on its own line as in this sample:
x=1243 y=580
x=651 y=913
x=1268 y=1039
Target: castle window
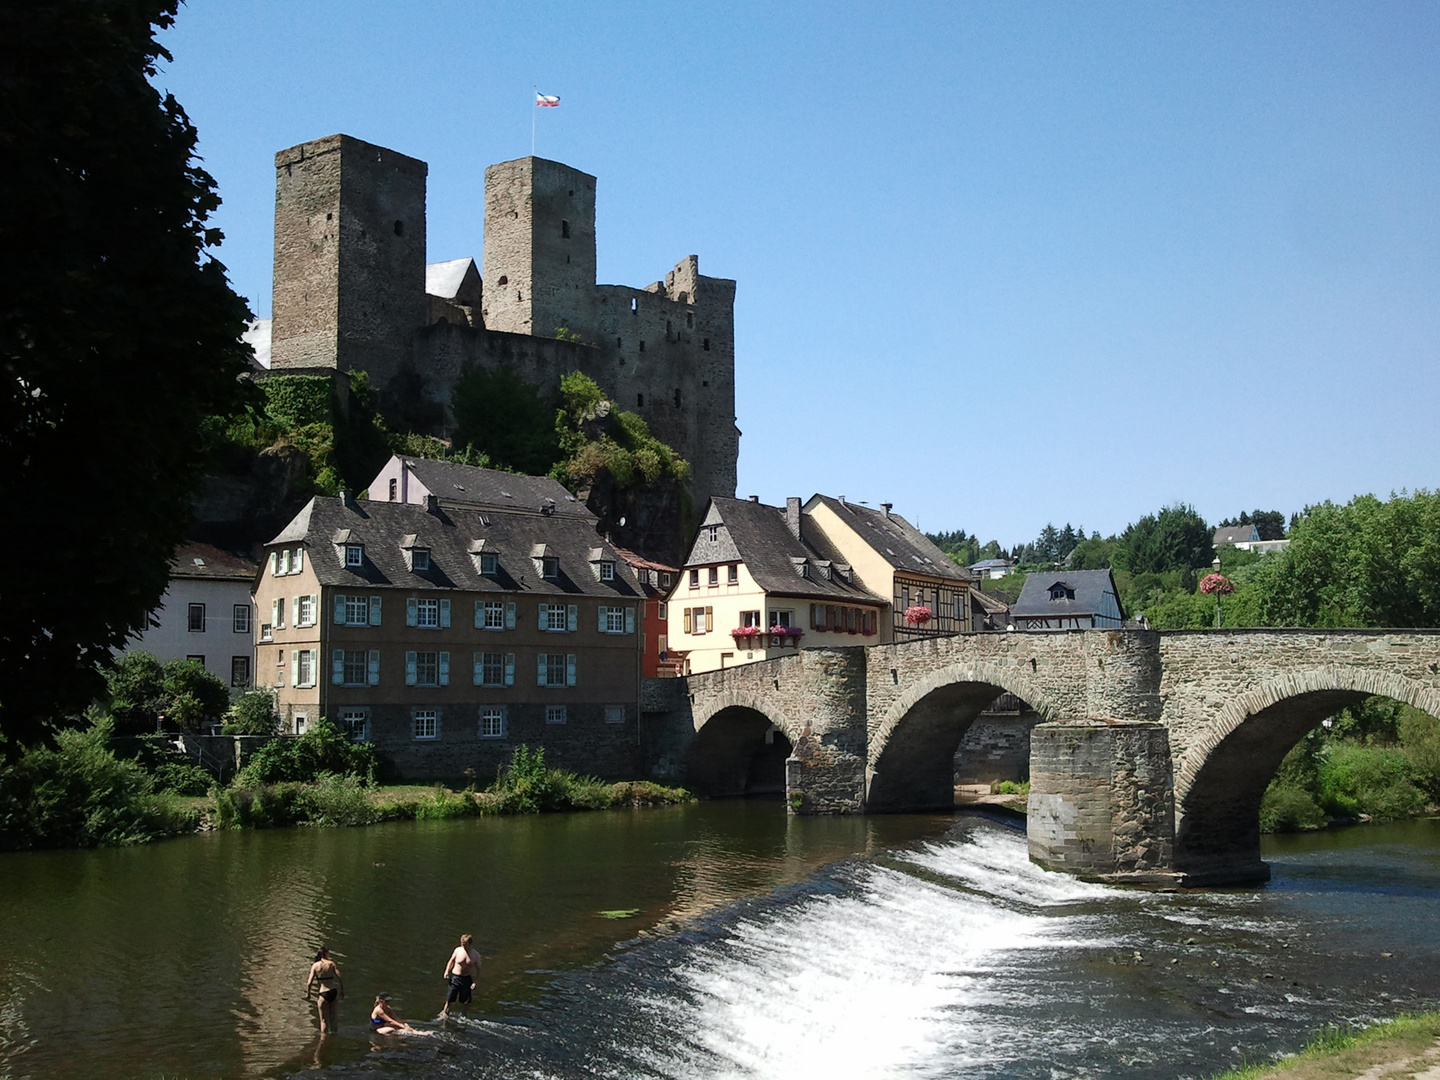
x=619 y=344
x=705 y=382
x=572 y=193
x=705 y=344
x=329 y=217
x=684 y=298
x=639 y=401
x=634 y=305
x=677 y=397
x=689 y=316
x=504 y=280
x=565 y=229
x=642 y=346
x=399 y=228
x=668 y=327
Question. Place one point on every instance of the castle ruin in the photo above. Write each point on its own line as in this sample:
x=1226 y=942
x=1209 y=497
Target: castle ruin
x=352 y=291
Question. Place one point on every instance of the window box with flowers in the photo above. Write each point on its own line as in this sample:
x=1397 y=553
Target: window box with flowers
x=784 y=636
x=746 y=635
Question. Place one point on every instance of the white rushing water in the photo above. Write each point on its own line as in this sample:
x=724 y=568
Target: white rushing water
x=894 y=977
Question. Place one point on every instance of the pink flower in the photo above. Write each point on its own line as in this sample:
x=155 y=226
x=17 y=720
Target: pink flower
x=917 y=615
x=1216 y=583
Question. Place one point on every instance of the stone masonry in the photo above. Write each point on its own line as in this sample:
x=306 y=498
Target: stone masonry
x=1149 y=767
x=349 y=294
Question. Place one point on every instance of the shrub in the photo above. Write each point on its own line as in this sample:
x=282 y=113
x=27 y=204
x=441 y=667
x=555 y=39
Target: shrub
x=526 y=786
x=264 y=807
x=253 y=714
x=1287 y=807
x=79 y=794
x=335 y=800
x=646 y=793
x=1370 y=780
x=444 y=805
x=143 y=691
x=324 y=748
x=1010 y=787
x=1420 y=740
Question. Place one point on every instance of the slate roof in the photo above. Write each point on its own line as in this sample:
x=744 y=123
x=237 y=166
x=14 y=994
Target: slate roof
x=769 y=549
x=1090 y=586
x=1236 y=534
x=648 y=571
x=449 y=533
x=991 y=604
x=193 y=561
x=895 y=540
x=456 y=483
x=444 y=279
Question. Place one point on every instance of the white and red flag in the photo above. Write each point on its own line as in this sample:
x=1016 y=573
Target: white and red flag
x=546 y=101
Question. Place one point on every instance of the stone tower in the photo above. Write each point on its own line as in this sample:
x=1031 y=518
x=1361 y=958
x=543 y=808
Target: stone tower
x=539 y=255
x=349 y=257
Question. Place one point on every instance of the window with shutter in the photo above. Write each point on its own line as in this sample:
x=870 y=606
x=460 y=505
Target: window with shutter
x=445 y=612
x=570 y=669
x=689 y=621
x=510 y=669
x=629 y=620
x=410 y=668
x=374 y=611
x=339 y=608
x=603 y=622
x=374 y=673
x=510 y=616
x=299 y=559
x=444 y=669
x=412 y=610
x=542 y=669
x=337 y=667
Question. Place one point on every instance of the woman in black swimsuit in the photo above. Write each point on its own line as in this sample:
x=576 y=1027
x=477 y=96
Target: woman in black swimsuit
x=326 y=975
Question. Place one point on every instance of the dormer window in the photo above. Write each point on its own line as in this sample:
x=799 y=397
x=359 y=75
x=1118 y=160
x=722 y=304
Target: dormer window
x=802 y=566
x=712 y=533
x=602 y=564
x=1060 y=591
x=487 y=559
x=420 y=559
x=354 y=555
x=550 y=567
x=607 y=571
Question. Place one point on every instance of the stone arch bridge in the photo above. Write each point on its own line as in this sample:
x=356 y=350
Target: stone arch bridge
x=1155 y=749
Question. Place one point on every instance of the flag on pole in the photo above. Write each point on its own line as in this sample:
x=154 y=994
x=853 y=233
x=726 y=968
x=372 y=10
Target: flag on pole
x=546 y=101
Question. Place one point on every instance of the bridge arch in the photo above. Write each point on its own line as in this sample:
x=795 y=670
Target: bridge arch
x=741 y=743
x=912 y=748
x=1223 y=773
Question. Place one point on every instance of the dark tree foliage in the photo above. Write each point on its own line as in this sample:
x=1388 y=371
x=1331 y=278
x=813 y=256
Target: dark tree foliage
x=148 y=695
x=117 y=336
x=507 y=420
x=1177 y=538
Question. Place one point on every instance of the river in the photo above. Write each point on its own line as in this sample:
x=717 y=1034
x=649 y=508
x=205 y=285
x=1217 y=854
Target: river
x=715 y=940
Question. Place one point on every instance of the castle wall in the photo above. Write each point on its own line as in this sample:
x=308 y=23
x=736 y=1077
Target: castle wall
x=349 y=256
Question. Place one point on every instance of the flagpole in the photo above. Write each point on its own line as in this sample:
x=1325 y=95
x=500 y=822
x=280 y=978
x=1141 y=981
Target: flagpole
x=533 y=107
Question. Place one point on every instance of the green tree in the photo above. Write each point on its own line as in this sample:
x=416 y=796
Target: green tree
x=144 y=692
x=253 y=714
x=1176 y=538
x=117 y=331
x=1367 y=563
x=507 y=420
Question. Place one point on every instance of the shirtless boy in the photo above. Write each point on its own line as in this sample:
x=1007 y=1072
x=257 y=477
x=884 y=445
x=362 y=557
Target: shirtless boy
x=460 y=972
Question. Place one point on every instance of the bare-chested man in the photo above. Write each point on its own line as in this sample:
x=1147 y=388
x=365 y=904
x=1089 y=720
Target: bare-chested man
x=460 y=972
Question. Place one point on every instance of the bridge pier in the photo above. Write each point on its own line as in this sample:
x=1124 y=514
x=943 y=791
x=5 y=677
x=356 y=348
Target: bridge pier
x=1102 y=803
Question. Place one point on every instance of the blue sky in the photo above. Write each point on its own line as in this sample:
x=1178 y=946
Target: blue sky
x=998 y=264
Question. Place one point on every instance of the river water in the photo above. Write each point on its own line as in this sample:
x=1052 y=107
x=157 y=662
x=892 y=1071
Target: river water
x=715 y=940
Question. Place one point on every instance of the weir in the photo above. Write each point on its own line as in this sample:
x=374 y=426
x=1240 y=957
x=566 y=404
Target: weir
x=1149 y=766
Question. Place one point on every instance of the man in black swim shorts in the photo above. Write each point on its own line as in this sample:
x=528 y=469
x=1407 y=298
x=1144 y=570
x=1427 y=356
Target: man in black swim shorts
x=460 y=971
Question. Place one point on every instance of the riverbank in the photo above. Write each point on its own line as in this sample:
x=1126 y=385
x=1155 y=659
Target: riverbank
x=1405 y=1048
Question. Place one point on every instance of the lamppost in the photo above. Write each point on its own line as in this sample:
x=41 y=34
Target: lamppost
x=1217 y=583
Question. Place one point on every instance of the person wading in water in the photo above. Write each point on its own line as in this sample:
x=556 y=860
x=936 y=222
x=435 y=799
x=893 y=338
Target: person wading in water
x=326 y=975
x=460 y=972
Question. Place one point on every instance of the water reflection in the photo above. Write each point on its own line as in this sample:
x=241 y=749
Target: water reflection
x=208 y=938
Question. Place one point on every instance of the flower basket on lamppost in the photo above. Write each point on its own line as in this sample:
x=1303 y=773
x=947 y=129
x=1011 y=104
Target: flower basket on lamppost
x=917 y=615
x=1218 y=585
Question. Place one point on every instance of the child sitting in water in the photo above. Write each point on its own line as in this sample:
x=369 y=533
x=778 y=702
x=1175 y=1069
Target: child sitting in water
x=385 y=1022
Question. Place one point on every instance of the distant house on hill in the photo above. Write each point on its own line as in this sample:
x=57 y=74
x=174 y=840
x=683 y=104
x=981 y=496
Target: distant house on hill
x=987 y=569
x=1068 y=600
x=1246 y=538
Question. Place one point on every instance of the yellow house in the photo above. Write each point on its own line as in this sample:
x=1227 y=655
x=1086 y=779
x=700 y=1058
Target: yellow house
x=893 y=559
x=758 y=584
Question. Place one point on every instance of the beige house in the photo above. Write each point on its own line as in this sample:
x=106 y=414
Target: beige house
x=758 y=585
x=762 y=581
x=895 y=560
x=447 y=634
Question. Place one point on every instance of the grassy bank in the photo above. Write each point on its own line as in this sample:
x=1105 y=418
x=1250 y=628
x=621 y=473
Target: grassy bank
x=81 y=794
x=1404 y=1046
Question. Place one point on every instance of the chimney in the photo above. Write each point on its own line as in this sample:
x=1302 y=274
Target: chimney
x=792 y=515
x=432 y=504
x=885 y=508
x=842 y=501
x=345 y=498
x=755 y=498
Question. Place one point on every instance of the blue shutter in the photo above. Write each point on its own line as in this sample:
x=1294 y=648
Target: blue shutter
x=479 y=614
x=540 y=669
x=478 y=660
x=572 y=618
x=444 y=669
x=410 y=676
x=374 y=672
x=570 y=670
x=339 y=607
x=510 y=616
x=544 y=623
x=374 y=611
x=444 y=611
x=510 y=669
x=337 y=667
x=412 y=611
x=629 y=620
